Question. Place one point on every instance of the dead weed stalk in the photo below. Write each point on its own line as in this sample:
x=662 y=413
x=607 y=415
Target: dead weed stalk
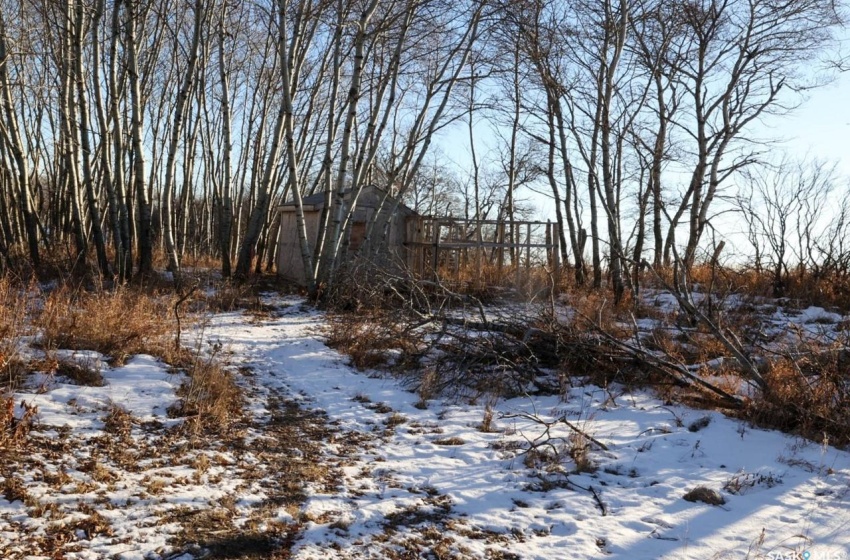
x=210 y=398
x=13 y=310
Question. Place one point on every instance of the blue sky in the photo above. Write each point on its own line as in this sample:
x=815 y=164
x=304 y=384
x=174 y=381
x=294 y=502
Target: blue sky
x=821 y=126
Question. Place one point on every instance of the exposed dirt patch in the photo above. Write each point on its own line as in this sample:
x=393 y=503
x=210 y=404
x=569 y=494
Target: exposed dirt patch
x=236 y=493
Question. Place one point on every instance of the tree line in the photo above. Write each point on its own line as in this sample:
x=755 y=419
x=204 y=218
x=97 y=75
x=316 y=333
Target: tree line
x=130 y=123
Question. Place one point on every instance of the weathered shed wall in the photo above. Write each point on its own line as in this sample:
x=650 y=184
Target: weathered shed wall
x=289 y=262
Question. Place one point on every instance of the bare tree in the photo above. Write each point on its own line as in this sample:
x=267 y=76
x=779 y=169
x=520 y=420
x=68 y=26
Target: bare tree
x=738 y=57
x=777 y=205
x=12 y=139
x=183 y=96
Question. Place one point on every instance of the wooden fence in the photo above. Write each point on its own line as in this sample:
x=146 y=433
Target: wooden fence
x=523 y=255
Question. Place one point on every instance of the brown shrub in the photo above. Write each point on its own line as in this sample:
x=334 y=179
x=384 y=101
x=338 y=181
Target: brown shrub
x=597 y=307
x=116 y=323
x=807 y=394
x=369 y=339
x=825 y=288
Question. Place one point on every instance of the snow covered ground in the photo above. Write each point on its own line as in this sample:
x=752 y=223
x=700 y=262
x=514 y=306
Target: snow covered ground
x=402 y=481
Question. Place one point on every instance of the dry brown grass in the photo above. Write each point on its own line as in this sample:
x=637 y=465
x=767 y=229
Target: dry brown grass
x=832 y=291
x=579 y=451
x=199 y=261
x=449 y=441
x=118 y=422
x=79 y=372
x=13 y=308
x=370 y=339
x=117 y=323
x=13 y=489
x=210 y=398
x=807 y=395
x=124 y=322
x=230 y=296
x=13 y=428
x=486 y=280
x=828 y=288
x=598 y=307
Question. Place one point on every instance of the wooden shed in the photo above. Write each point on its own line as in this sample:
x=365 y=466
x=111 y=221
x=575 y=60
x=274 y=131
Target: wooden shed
x=289 y=264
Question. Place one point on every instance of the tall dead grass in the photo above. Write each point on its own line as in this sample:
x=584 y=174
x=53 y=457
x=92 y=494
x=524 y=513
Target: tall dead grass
x=486 y=280
x=13 y=311
x=371 y=339
x=829 y=287
x=130 y=321
x=118 y=323
x=211 y=401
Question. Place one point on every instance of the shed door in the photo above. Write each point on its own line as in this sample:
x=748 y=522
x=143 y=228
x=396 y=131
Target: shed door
x=358 y=235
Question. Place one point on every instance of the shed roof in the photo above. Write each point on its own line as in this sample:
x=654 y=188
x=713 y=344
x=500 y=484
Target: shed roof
x=317 y=201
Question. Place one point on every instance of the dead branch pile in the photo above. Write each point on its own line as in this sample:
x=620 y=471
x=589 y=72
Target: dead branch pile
x=451 y=344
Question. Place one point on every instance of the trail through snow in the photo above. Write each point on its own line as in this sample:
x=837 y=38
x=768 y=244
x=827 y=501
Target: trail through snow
x=783 y=495
x=408 y=482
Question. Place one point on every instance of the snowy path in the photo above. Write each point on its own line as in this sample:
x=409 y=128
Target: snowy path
x=329 y=462
x=430 y=479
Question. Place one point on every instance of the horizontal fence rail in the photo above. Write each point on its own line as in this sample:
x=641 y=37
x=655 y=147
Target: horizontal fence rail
x=481 y=254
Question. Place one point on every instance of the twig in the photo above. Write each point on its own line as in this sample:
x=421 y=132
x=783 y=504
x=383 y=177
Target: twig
x=602 y=507
x=548 y=427
x=582 y=433
x=666 y=367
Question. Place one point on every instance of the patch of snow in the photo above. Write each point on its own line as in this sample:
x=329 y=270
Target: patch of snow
x=436 y=469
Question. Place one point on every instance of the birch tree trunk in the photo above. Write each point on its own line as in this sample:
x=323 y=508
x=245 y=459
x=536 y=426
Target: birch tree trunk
x=85 y=141
x=183 y=96
x=225 y=214
x=13 y=138
x=290 y=57
x=329 y=258
x=124 y=250
x=143 y=209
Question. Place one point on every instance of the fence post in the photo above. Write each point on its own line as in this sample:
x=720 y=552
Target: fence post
x=436 y=256
x=500 y=255
x=478 y=255
x=555 y=240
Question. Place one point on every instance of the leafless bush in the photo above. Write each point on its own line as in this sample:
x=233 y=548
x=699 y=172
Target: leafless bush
x=743 y=482
x=798 y=222
x=445 y=343
x=372 y=339
x=442 y=341
x=807 y=393
x=450 y=344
